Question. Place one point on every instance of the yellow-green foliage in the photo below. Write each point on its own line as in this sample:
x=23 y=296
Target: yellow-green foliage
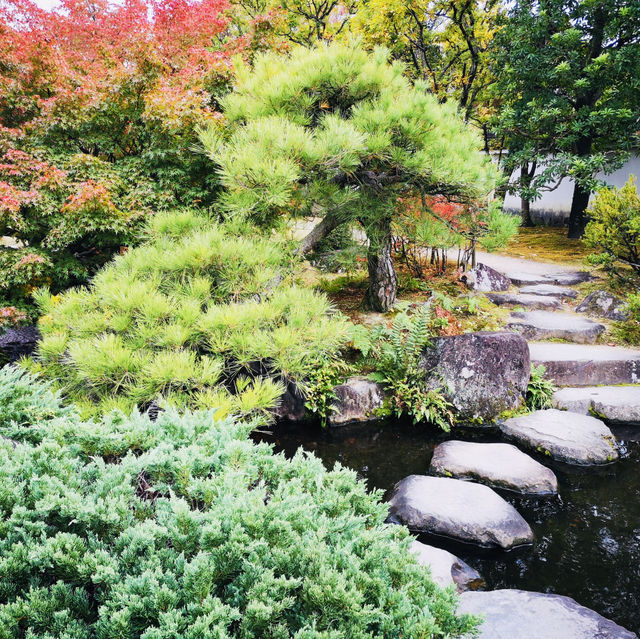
x=198 y=316
x=340 y=128
x=614 y=232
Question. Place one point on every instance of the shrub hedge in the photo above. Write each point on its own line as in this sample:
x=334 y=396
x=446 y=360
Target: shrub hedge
x=199 y=316
x=184 y=528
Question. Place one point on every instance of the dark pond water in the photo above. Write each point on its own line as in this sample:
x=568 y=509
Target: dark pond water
x=587 y=539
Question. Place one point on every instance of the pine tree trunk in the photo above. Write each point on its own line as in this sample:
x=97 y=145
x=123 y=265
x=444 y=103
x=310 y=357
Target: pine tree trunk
x=318 y=233
x=383 y=281
x=578 y=218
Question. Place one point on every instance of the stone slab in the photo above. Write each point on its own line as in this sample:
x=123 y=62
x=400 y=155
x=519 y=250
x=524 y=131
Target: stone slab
x=460 y=510
x=587 y=365
x=615 y=404
x=519 y=614
x=549 y=289
x=497 y=465
x=535 y=325
x=447 y=569
x=567 y=437
x=512 y=300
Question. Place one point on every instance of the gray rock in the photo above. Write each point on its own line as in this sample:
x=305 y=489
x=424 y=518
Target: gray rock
x=587 y=365
x=458 y=509
x=603 y=304
x=549 y=325
x=523 y=299
x=356 y=401
x=484 y=278
x=18 y=342
x=518 y=614
x=497 y=465
x=549 y=289
x=481 y=374
x=569 y=278
x=291 y=407
x=446 y=568
x=567 y=437
x=616 y=404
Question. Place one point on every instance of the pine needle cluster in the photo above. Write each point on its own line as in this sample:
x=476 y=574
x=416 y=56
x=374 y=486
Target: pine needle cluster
x=198 y=316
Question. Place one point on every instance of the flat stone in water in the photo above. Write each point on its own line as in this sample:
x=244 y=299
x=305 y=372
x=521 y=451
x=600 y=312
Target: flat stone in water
x=526 y=300
x=446 y=568
x=518 y=614
x=497 y=465
x=457 y=509
x=567 y=437
x=549 y=325
x=549 y=289
x=587 y=365
x=617 y=404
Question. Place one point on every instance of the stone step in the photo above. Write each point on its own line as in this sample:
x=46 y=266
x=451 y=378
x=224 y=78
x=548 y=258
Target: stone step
x=457 y=509
x=549 y=289
x=520 y=614
x=511 y=300
x=536 y=325
x=496 y=465
x=526 y=278
x=567 y=437
x=446 y=568
x=616 y=404
x=587 y=365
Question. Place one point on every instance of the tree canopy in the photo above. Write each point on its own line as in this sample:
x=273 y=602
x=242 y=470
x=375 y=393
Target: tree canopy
x=569 y=76
x=338 y=133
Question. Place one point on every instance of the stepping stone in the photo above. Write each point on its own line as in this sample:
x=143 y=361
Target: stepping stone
x=603 y=304
x=569 y=278
x=497 y=465
x=522 y=278
x=523 y=299
x=549 y=289
x=549 y=325
x=518 y=614
x=447 y=569
x=585 y=365
x=457 y=509
x=617 y=404
x=566 y=437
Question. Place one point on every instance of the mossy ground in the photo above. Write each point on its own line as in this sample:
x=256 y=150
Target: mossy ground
x=546 y=244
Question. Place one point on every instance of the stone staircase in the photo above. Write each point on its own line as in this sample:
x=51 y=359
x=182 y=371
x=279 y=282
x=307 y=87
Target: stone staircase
x=457 y=499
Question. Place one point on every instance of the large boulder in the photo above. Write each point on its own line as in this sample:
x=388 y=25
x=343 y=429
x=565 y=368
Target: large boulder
x=460 y=510
x=497 y=465
x=446 y=568
x=481 y=374
x=568 y=437
x=483 y=278
x=518 y=614
x=18 y=342
x=357 y=400
x=602 y=304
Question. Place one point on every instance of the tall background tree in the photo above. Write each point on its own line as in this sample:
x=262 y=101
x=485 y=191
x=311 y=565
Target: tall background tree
x=336 y=133
x=568 y=73
x=444 y=43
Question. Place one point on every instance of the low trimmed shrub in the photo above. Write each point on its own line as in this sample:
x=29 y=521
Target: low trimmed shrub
x=185 y=528
x=199 y=316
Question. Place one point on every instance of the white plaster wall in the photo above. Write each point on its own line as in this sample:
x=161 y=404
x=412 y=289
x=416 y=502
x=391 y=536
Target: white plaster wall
x=553 y=207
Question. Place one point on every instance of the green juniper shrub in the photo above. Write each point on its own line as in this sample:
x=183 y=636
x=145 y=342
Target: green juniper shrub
x=200 y=315
x=539 y=389
x=185 y=528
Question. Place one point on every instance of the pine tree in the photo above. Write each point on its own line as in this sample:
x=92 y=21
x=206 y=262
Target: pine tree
x=337 y=133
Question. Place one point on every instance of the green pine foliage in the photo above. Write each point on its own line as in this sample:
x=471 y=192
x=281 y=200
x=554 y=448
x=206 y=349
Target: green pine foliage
x=198 y=316
x=185 y=528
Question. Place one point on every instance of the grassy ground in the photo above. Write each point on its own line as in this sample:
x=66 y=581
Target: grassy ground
x=546 y=244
